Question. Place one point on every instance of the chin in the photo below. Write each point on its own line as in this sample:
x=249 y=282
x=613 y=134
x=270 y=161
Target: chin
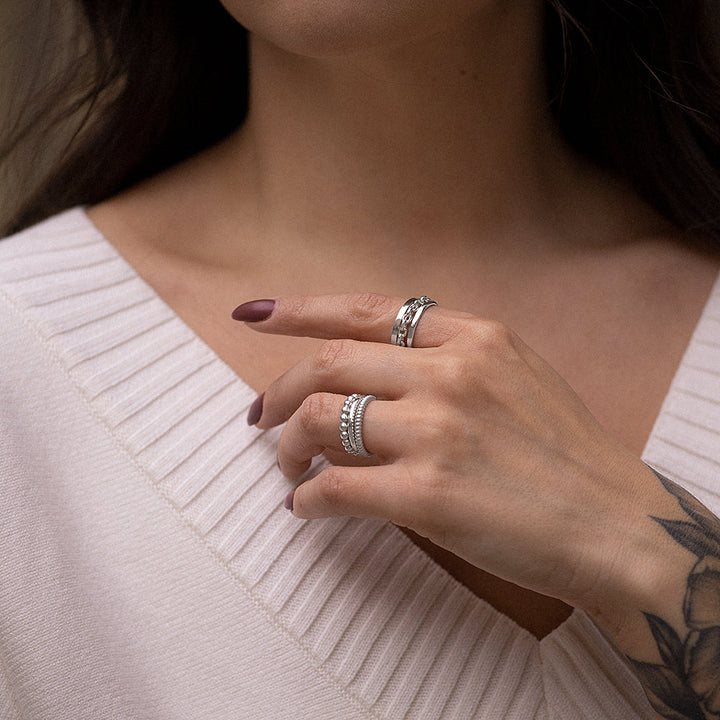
x=319 y=28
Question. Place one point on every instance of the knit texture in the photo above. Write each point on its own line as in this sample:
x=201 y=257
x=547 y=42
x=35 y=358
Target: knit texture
x=150 y=569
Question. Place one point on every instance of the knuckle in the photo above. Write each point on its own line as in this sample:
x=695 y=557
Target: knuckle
x=367 y=306
x=331 y=353
x=456 y=369
x=427 y=486
x=440 y=430
x=295 y=306
x=312 y=411
x=456 y=325
x=451 y=372
x=330 y=487
x=493 y=335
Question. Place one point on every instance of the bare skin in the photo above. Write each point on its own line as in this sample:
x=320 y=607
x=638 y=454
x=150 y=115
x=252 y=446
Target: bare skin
x=346 y=178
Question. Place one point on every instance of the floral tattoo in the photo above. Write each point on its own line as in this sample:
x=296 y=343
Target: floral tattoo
x=686 y=686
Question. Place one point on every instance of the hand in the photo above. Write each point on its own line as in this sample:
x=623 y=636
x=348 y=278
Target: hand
x=478 y=445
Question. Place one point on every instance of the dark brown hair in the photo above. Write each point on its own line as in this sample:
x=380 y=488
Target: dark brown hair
x=634 y=85
x=147 y=84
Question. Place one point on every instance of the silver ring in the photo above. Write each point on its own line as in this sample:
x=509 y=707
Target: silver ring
x=351 y=420
x=345 y=424
x=407 y=320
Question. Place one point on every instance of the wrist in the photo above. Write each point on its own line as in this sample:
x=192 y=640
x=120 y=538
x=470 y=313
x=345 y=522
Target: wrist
x=652 y=582
x=643 y=571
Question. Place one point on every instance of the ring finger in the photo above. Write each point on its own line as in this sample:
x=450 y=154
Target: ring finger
x=315 y=428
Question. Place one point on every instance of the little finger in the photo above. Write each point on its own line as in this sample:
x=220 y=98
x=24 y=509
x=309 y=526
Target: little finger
x=367 y=492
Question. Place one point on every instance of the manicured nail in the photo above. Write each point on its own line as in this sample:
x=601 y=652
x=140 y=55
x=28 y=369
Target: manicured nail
x=255 y=411
x=289 y=499
x=254 y=311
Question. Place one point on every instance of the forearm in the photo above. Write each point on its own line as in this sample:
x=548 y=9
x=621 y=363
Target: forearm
x=668 y=623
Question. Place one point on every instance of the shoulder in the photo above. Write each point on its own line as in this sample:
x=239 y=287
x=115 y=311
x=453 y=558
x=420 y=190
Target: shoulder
x=26 y=260
x=73 y=221
x=39 y=267
x=30 y=257
x=37 y=262
x=43 y=248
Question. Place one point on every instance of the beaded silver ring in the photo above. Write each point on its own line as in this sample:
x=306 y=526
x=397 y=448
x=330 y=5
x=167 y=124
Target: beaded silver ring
x=351 y=420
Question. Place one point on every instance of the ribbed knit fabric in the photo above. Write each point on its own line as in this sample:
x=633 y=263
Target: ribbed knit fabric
x=148 y=568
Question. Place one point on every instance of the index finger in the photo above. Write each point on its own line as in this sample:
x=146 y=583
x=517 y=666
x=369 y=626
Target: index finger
x=365 y=316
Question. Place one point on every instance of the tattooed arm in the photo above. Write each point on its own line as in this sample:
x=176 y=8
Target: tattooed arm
x=677 y=658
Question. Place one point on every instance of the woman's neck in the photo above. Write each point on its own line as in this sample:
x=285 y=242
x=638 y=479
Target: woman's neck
x=401 y=150
x=449 y=133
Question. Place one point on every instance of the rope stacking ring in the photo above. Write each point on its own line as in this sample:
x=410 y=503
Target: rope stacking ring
x=407 y=320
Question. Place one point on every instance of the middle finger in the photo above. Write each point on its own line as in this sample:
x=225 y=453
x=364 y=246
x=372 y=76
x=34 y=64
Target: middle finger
x=340 y=366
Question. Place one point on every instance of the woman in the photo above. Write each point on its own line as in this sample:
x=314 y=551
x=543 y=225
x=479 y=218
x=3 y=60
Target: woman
x=151 y=568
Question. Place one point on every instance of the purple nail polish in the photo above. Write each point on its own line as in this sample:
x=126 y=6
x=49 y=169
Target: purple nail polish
x=254 y=311
x=289 y=500
x=255 y=411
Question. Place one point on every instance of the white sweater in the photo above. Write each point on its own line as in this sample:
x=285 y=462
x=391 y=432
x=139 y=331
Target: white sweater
x=148 y=568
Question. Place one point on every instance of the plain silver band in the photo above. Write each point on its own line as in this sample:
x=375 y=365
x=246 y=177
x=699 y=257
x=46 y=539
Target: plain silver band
x=358 y=421
x=407 y=320
x=351 y=419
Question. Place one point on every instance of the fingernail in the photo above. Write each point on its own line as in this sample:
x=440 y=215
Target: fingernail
x=254 y=311
x=289 y=499
x=255 y=411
